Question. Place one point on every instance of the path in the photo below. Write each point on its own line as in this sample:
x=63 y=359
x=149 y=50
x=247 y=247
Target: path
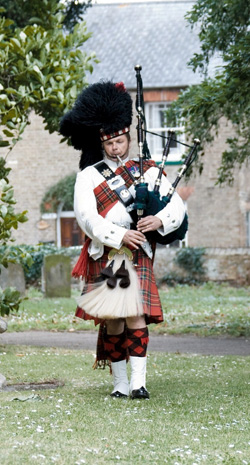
x=86 y=340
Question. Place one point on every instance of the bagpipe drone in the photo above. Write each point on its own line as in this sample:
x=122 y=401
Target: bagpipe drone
x=150 y=202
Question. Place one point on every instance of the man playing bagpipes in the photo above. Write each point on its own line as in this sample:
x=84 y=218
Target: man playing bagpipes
x=119 y=291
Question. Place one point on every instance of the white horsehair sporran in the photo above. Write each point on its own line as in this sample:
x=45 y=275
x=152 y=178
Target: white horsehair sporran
x=109 y=303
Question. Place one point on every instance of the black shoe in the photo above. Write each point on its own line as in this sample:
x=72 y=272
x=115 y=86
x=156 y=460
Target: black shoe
x=118 y=394
x=141 y=393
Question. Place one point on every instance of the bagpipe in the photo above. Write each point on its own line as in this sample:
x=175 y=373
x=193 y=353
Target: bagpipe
x=150 y=202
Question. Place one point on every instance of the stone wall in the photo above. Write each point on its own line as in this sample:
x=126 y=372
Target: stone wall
x=221 y=265
x=218 y=214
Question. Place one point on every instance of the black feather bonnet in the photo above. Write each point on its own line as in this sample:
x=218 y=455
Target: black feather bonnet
x=103 y=106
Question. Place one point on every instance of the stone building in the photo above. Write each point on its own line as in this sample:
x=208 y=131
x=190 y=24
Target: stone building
x=156 y=36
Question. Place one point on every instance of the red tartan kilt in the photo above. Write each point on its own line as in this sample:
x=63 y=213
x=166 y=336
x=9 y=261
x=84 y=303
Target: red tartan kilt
x=149 y=292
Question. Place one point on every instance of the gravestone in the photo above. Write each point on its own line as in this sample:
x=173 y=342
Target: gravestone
x=13 y=276
x=57 y=276
x=3 y=325
x=2 y=381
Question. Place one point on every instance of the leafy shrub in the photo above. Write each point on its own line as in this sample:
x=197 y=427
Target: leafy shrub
x=190 y=260
x=10 y=300
x=62 y=192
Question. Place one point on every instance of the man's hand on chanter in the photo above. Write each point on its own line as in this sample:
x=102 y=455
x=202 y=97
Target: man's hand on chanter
x=149 y=223
x=134 y=238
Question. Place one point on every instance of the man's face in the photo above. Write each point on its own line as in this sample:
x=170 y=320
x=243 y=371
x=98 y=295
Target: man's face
x=116 y=146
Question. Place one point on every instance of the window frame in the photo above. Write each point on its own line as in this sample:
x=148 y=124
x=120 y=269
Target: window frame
x=175 y=154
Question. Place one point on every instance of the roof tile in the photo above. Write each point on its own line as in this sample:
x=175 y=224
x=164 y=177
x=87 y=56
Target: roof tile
x=152 y=34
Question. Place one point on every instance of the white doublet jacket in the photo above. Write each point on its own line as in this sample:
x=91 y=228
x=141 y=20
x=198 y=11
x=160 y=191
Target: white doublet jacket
x=109 y=231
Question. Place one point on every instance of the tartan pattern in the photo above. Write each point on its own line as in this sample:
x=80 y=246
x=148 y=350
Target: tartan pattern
x=101 y=360
x=113 y=134
x=105 y=197
x=150 y=295
x=115 y=347
x=128 y=181
x=137 y=341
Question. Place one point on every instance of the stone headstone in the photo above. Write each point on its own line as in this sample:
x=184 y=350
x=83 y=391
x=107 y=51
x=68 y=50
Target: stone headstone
x=13 y=276
x=2 y=381
x=3 y=325
x=57 y=276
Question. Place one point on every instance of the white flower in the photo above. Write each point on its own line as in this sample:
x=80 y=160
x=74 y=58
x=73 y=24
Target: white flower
x=40 y=429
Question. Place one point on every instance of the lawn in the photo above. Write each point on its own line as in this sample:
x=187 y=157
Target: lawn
x=198 y=412
x=208 y=309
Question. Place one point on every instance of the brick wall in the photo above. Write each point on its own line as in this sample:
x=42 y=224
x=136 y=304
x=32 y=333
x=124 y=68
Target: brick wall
x=218 y=214
x=38 y=161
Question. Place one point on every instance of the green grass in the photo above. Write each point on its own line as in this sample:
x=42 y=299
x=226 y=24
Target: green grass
x=198 y=412
x=39 y=312
x=209 y=309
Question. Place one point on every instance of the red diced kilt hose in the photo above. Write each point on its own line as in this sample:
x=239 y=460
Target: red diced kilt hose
x=149 y=292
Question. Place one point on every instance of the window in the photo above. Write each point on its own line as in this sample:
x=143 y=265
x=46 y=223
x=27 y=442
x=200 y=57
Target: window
x=155 y=113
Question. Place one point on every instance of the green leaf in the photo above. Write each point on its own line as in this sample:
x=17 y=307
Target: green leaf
x=4 y=210
x=8 y=133
x=73 y=91
x=15 y=42
x=9 y=115
x=8 y=22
